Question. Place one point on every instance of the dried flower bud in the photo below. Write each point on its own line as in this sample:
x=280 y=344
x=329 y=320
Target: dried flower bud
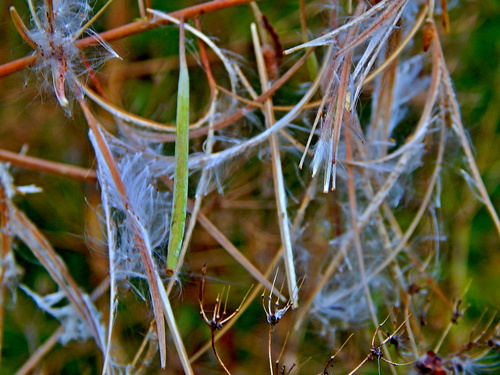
x=427 y=35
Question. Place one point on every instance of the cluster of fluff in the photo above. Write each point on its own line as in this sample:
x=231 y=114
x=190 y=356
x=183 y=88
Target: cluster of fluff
x=12 y=272
x=343 y=300
x=327 y=150
x=75 y=328
x=60 y=61
x=149 y=204
x=335 y=309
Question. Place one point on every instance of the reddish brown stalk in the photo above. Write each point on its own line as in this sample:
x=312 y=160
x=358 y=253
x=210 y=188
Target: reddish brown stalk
x=143 y=25
x=139 y=240
x=383 y=110
x=283 y=108
x=303 y=21
x=206 y=61
x=52 y=341
x=21 y=28
x=445 y=19
x=17 y=65
x=34 y=360
x=127 y=30
x=43 y=251
x=46 y=166
x=353 y=206
x=93 y=76
x=5 y=249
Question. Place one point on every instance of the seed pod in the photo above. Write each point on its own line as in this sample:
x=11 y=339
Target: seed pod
x=428 y=34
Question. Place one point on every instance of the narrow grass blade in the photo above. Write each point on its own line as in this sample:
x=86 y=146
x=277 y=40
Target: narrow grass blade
x=279 y=184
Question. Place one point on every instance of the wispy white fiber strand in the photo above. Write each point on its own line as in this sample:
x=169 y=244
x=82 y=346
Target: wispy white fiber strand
x=141 y=236
x=197 y=162
x=371 y=53
x=113 y=301
x=210 y=161
x=381 y=193
x=423 y=207
x=327 y=39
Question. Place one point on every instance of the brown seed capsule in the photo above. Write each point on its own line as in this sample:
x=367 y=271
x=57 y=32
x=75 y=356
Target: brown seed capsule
x=272 y=54
x=427 y=35
x=444 y=16
x=271 y=62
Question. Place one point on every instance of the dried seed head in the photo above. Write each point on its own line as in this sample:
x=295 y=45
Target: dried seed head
x=57 y=26
x=427 y=35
